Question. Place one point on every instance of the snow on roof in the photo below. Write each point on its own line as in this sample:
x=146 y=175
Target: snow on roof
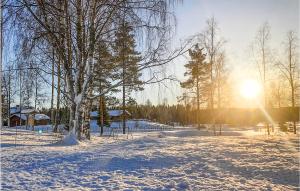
x=23 y=116
x=116 y=113
x=112 y=113
x=36 y=117
x=28 y=111
x=14 y=110
x=94 y=114
x=41 y=117
x=25 y=110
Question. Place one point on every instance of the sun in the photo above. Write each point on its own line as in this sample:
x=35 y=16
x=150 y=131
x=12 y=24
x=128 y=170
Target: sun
x=250 y=89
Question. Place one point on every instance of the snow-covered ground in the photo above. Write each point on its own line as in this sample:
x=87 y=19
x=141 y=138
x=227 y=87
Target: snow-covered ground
x=173 y=159
x=132 y=125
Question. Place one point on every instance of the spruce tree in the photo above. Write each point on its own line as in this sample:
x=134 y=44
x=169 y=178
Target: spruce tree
x=127 y=59
x=104 y=74
x=198 y=73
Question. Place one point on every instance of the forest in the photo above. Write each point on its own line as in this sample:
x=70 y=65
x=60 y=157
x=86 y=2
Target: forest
x=68 y=59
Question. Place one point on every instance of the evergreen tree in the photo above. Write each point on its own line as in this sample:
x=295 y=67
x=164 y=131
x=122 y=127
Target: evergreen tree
x=127 y=59
x=4 y=100
x=198 y=73
x=104 y=74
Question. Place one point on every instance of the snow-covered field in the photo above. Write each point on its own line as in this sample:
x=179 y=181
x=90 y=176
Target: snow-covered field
x=177 y=159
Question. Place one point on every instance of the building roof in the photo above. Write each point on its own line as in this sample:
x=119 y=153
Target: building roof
x=28 y=111
x=36 y=116
x=117 y=112
x=41 y=117
x=111 y=113
x=94 y=114
x=16 y=109
x=23 y=116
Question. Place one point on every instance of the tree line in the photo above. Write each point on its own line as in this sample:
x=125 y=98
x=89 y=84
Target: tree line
x=88 y=51
x=208 y=86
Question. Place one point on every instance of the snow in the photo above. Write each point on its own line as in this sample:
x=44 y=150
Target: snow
x=27 y=111
x=112 y=113
x=37 y=128
x=78 y=99
x=94 y=114
x=41 y=117
x=177 y=159
x=133 y=125
x=14 y=110
x=37 y=116
x=68 y=140
x=116 y=113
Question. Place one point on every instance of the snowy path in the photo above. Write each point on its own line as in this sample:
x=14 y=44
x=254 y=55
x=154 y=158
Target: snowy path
x=178 y=160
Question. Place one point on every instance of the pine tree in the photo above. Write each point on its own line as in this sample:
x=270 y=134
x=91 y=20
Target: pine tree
x=198 y=73
x=127 y=58
x=104 y=74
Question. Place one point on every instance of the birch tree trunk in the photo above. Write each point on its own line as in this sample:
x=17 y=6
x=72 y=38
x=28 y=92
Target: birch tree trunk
x=52 y=90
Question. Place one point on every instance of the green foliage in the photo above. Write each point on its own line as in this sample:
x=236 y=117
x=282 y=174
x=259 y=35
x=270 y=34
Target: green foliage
x=197 y=73
x=127 y=58
x=105 y=68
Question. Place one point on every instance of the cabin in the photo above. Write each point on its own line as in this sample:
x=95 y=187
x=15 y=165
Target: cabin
x=38 y=119
x=114 y=115
x=29 y=119
x=16 y=119
x=27 y=116
x=117 y=115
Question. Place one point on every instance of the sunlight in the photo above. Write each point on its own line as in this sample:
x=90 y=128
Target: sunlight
x=250 y=89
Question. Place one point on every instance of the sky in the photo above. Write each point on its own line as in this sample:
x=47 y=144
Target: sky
x=238 y=21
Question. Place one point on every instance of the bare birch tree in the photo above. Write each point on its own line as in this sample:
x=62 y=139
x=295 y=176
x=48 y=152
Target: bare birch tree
x=212 y=42
x=289 y=67
x=73 y=29
x=261 y=52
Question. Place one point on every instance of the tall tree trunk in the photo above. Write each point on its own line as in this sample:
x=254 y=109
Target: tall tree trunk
x=87 y=116
x=101 y=114
x=57 y=117
x=264 y=83
x=20 y=97
x=219 y=98
x=124 y=95
x=72 y=109
x=52 y=90
x=123 y=107
x=198 y=100
x=219 y=87
x=211 y=77
x=8 y=111
x=211 y=69
x=35 y=100
x=292 y=83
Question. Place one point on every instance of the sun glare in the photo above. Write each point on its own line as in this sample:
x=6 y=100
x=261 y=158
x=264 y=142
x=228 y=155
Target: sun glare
x=250 y=89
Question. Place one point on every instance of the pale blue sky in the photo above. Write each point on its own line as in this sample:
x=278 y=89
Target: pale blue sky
x=238 y=21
